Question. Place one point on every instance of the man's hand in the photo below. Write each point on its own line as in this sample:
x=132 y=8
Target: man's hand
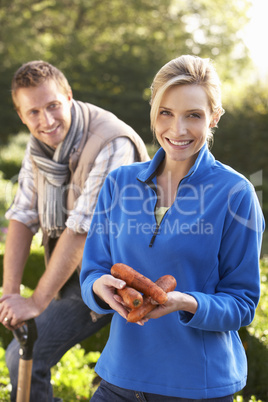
x=15 y=310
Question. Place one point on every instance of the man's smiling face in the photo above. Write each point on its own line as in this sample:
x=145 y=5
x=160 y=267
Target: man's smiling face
x=46 y=111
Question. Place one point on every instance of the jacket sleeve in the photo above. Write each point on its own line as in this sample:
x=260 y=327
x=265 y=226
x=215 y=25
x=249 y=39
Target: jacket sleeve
x=237 y=294
x=97 y=257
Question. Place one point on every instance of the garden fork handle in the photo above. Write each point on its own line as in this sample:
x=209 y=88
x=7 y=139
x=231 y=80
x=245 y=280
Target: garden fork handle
x=26 y=336
x=24 y=380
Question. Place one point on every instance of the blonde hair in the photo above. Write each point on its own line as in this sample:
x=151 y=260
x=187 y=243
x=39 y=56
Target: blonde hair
x=186 y=70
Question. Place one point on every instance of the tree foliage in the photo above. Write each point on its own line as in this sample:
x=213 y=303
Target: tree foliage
x=241 y=140
x=111 y=49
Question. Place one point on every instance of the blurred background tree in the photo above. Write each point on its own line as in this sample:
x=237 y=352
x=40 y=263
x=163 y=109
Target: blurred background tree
x=110 y=51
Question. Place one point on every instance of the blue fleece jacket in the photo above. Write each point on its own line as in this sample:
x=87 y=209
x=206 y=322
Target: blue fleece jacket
x=209 y=240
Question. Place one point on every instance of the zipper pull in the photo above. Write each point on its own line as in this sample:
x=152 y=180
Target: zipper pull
x=154 y=236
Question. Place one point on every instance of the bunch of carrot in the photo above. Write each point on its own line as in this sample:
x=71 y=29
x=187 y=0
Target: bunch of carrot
x=140 y=290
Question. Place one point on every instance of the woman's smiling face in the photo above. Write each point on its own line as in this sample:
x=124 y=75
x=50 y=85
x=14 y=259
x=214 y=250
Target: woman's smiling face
x=183 y=122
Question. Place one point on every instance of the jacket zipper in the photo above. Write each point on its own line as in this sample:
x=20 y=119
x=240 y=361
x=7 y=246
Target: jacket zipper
x=154 y=235
x=156 y=230
x=158 y=225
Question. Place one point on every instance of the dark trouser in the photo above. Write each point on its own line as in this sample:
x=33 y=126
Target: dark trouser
x=110 y=393
x=62 y=325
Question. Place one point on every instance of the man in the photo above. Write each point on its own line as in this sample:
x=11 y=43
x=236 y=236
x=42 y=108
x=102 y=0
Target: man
x=72 y=147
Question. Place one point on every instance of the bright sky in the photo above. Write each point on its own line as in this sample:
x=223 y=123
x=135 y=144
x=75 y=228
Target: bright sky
x=257 y=33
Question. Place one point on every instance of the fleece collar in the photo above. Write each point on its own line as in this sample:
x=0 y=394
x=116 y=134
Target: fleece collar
x=204 y=160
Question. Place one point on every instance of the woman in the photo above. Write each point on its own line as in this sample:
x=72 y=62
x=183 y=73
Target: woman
x=187 y=215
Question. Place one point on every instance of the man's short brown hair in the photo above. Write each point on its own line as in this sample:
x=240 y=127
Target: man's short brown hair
x=35 y=73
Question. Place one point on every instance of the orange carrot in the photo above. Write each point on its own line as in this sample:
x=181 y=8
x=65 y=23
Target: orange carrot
x=139 y=282
x=168 y=283
x=131 y=297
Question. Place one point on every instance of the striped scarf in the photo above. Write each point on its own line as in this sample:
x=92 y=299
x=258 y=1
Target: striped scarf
x=54 y=174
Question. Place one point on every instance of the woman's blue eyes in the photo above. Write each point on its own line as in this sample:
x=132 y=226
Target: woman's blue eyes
x=168 y=113
x=195 y=115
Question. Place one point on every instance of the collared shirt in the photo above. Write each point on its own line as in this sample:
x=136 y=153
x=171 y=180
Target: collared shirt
x=24 y=208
